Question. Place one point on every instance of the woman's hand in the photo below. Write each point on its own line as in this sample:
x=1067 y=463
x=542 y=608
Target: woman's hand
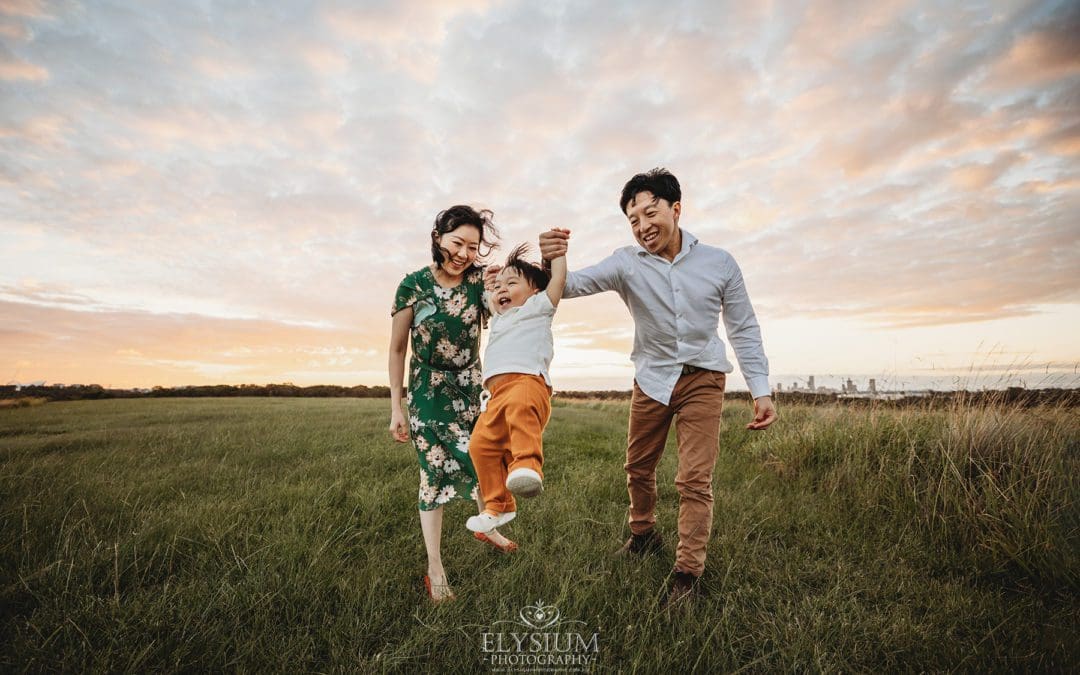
x=490 y=272
x=399 y=429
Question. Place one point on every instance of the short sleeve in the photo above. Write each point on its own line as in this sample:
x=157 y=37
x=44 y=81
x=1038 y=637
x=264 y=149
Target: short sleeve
x=408 y=292
x=539 y=305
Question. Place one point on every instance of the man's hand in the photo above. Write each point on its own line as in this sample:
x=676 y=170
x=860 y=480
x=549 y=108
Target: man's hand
x=764 y=413
x=553 y=243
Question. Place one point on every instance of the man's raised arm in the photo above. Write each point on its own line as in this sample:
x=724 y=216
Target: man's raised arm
x=603 y=276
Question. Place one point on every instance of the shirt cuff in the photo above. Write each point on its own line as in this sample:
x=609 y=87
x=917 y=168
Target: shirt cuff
x=759 y=386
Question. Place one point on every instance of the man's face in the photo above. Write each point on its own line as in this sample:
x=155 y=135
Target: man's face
x=655 y=224
x=511 y=289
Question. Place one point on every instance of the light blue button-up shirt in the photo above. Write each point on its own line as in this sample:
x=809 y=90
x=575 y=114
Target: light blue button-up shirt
x=676 y=308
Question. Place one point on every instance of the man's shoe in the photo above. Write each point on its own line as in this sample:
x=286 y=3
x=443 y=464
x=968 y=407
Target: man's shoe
x=683 y=590
x=524 y=482
x=642 y=544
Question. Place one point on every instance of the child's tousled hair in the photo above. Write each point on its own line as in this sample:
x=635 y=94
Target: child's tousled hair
x=536 y=275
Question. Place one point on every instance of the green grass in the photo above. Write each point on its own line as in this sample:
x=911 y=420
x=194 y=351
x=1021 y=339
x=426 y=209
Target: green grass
x=281 y=534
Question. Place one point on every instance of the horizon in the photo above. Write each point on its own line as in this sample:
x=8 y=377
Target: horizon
x=199 y=195
x=1034 y=378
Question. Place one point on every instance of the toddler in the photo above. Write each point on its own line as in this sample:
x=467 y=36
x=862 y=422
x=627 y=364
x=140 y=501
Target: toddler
x=507 y=442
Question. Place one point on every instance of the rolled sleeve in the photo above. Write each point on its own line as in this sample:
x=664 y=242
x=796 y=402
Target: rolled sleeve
x=744 y=335
x=603 y=276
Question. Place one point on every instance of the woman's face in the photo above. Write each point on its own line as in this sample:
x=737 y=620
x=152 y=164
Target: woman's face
x=460 y=248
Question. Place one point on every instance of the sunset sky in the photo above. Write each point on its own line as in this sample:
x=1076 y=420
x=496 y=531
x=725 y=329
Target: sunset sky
x=229 y=192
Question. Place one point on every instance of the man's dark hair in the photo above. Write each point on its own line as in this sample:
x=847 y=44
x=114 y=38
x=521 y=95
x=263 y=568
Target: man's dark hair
x=659 y=181
x=537 y=276
x=456 y=216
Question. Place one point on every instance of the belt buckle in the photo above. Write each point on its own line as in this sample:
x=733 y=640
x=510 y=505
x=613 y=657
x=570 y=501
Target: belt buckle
x=688 y=369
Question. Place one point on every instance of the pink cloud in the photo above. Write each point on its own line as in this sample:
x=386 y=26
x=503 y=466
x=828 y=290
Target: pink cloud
x=1050 y=53
x=13 y=69
x=23 y=8
x=45 y=129
x=130 y=348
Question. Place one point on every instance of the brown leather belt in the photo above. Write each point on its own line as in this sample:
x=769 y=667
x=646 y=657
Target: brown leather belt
x=688 y=369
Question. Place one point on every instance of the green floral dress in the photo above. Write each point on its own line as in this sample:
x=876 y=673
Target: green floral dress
x=444 y=380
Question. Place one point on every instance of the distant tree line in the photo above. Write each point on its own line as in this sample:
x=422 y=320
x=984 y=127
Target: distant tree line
x=96 y=391
x=1013 y=396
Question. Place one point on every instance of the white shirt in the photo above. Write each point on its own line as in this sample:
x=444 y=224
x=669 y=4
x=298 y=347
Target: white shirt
x=676 y=308
x=520 y=339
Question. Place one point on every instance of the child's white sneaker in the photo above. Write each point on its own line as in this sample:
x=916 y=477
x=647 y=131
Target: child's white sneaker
x=524 y=483
x=486 y=522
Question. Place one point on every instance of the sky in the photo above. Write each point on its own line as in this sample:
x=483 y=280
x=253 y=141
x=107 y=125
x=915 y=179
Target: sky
x=229 y=192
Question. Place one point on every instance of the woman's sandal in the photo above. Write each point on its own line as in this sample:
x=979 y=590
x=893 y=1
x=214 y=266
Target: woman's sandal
x=508 y=547
x=449 y=594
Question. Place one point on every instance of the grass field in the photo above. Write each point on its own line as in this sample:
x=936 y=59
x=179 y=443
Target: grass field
x=281 y=534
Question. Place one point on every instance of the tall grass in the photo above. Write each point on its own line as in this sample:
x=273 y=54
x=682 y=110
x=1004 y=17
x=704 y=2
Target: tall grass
x=995 y=485
x=22 y=402
x=281 y=535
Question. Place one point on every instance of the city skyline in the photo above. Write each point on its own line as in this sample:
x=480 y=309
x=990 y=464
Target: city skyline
x=229 y=194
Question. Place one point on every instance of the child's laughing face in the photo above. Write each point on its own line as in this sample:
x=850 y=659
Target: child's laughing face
x=511 y=289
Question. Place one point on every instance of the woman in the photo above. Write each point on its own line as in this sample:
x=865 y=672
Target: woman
x=440 y=309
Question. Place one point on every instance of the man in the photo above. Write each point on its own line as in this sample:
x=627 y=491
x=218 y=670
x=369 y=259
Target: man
x=676 y=289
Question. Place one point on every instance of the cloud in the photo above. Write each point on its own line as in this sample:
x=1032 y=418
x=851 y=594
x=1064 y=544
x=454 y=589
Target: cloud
x=883 y=162
x=978 y=176
x=125 y=348
x=12 y=68
x=14 y=30
x=23 y=8
x=1049 y=52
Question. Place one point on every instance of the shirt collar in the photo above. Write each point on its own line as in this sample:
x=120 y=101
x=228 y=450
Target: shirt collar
x=689 y=241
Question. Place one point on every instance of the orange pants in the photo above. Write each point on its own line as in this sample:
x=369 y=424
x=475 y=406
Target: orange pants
x=509 y=435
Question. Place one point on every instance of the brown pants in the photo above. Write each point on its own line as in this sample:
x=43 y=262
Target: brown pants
x=509 y=435
x=695 y=404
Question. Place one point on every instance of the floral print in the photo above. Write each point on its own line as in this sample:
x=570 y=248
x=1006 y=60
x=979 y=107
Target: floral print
x=444 y=380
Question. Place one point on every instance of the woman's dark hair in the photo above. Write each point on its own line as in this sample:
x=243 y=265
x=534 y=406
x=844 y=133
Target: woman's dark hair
x=658 y=181
x=456 y=216
x=537 y=276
